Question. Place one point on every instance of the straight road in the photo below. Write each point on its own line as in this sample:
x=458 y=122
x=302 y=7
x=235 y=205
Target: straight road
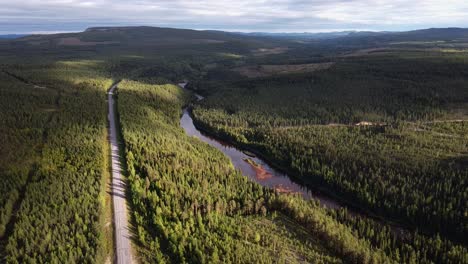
x=122 y=232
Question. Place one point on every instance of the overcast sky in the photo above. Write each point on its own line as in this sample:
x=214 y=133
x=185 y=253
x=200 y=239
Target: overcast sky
x=34 y=16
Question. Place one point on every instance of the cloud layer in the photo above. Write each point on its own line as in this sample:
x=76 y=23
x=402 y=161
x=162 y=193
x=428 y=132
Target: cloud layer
x=241 y=15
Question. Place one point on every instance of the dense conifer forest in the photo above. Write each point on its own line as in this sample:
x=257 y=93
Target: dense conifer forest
x=387 y=132
x=378 y=126
x=53 y=162
x=192 y=206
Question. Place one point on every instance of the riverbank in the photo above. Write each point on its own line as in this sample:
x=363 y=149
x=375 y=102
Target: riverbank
x=394 y=238
x=314 y=186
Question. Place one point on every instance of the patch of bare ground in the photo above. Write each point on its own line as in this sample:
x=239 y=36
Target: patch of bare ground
x=50 y=109
x=74 y=41
x=271 y=51
x=364 y=52
x=282 y=189
x=260 y=172
x=367 y=123
x=269 y=70
x=208 y=41
x=361 y=124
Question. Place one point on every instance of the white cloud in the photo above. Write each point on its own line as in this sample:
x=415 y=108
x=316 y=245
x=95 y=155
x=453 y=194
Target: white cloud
x=393 y=12
x=245 y=15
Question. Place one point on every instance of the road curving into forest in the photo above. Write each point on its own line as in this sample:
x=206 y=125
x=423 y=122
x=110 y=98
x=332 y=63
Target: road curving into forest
x=123 y=250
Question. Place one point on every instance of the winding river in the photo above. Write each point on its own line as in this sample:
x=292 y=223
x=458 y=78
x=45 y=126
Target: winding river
x=254 y=167
x=259 y=171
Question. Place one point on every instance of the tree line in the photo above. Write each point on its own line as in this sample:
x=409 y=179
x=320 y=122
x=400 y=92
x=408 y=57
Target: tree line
x=191 y=206
x=397 y=164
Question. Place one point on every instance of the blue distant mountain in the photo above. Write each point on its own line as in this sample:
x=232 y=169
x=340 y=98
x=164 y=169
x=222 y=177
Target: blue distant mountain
x=12 y=36
x=311 y=36
x=445 y=34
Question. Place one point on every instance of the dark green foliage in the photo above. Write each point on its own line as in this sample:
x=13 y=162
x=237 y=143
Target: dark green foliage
x=184 y=192
x=398 y=162
x=188 y=203
x=404 y=247
x=376 y=89
x=54 y=128
x=22 y=128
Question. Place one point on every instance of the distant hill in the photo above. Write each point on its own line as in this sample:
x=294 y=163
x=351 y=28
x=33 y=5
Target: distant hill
x=446 y=34
x=262 y=43
x=430 y=35
x=12 y=36
x=371 y=38
x=128 y=33
x=143 y=36
x=305 y=35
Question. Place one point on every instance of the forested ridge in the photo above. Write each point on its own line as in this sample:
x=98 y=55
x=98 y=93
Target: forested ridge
x=54 y=152
x=384 y=129
x=52 y=164
x=363 y=128
x=190 y=205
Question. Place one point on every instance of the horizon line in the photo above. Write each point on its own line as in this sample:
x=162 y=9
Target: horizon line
x=318 y=31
